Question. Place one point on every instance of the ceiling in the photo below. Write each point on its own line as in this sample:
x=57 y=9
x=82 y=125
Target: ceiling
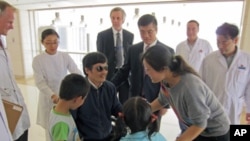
x=53 y=4
x=50 y=4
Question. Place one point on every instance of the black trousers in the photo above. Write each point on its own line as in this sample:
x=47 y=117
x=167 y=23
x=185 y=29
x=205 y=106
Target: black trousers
x=23 y=137
x=123 y=91
x=225 y=137
x=109 y=138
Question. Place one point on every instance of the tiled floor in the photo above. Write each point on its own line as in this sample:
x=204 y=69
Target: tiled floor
x=169 y=123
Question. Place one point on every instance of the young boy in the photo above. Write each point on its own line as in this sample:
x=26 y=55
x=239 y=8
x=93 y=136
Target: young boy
x=73 y=91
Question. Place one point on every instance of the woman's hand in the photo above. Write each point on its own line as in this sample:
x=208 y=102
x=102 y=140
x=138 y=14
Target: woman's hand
x=55 y=98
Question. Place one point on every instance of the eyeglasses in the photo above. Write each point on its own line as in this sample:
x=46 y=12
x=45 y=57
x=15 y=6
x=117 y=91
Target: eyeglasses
x=101 y=68
x=224 y=42
x=51 y=43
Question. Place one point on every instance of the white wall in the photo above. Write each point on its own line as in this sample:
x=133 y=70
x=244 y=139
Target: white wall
x=23 y=41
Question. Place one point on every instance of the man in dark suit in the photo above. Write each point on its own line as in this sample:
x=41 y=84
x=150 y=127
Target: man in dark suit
x=108 y=43
x=140 y=83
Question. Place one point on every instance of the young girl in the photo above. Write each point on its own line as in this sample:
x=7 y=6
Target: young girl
x=195 y=105
x=137 y=122
x=50 y=67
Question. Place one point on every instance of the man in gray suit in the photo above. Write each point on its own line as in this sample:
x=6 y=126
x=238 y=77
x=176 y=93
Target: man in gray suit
x=140 y=83
x=114 y=42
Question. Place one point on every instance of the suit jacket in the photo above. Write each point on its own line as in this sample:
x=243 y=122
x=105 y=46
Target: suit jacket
x=133 y=68
x=105 y=44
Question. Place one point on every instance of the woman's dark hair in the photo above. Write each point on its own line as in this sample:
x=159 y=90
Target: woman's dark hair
x=137 y=116
x=91 y=59
x=159 y=58
x=48 y=32
x=74 y=85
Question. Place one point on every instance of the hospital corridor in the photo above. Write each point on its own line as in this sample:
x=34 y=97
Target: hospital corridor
x=79 y=28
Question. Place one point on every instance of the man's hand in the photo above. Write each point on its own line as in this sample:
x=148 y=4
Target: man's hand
x=163 y=111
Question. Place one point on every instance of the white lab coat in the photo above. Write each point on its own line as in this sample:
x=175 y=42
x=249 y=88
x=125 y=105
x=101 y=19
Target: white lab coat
x=194 y=56
x=49 y=70
x=12 y=93
x=4 y=127
x=231 y=85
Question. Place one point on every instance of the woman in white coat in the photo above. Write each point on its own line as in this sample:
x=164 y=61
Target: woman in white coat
x=50 y=67
x=227 y=73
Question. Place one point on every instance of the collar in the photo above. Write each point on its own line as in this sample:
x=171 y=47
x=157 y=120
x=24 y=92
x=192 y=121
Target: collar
x=91 y=83
x=152 y=44
x=3 y=39
x=137 y=135
x=115 y=31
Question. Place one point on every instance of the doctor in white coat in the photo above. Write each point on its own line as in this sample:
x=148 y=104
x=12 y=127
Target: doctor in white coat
x=227 y=73
x=50 y=67
x=194 y=49
x=8 y=87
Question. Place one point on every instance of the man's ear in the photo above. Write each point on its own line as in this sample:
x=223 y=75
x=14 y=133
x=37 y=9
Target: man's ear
x=236 y=40
x=86 y=70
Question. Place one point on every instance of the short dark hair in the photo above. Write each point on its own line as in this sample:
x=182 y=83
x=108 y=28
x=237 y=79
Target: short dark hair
x=228 y=30
x=48 y=32
x=137 y=115
x=4 y=5
x=119 y=9
x=194 y=21
x=91 y=59
x=146 y=20
x=72 y=86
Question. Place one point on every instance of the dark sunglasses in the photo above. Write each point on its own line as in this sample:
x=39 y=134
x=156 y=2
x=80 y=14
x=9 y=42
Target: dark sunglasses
x=101 y=68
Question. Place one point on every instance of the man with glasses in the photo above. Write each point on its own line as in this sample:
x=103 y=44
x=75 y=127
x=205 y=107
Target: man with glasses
x=8 y=87
x=227 y=73
x=93 y=118
x=140 y=83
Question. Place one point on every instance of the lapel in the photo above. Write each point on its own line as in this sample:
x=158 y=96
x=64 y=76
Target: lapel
x=124 y=38
x=111 y=37
x=140 y=50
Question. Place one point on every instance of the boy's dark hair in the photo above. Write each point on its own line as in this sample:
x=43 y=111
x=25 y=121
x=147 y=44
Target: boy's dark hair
x=91 y=59
x=137 y=115
x=230 y=31
x=74 y=85
x=48 y=32
x=146 y=20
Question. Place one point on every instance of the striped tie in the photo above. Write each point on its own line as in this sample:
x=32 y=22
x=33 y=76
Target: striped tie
x=119 y=51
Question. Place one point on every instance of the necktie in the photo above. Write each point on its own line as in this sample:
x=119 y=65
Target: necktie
x=119 y=51
x=1 y=44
